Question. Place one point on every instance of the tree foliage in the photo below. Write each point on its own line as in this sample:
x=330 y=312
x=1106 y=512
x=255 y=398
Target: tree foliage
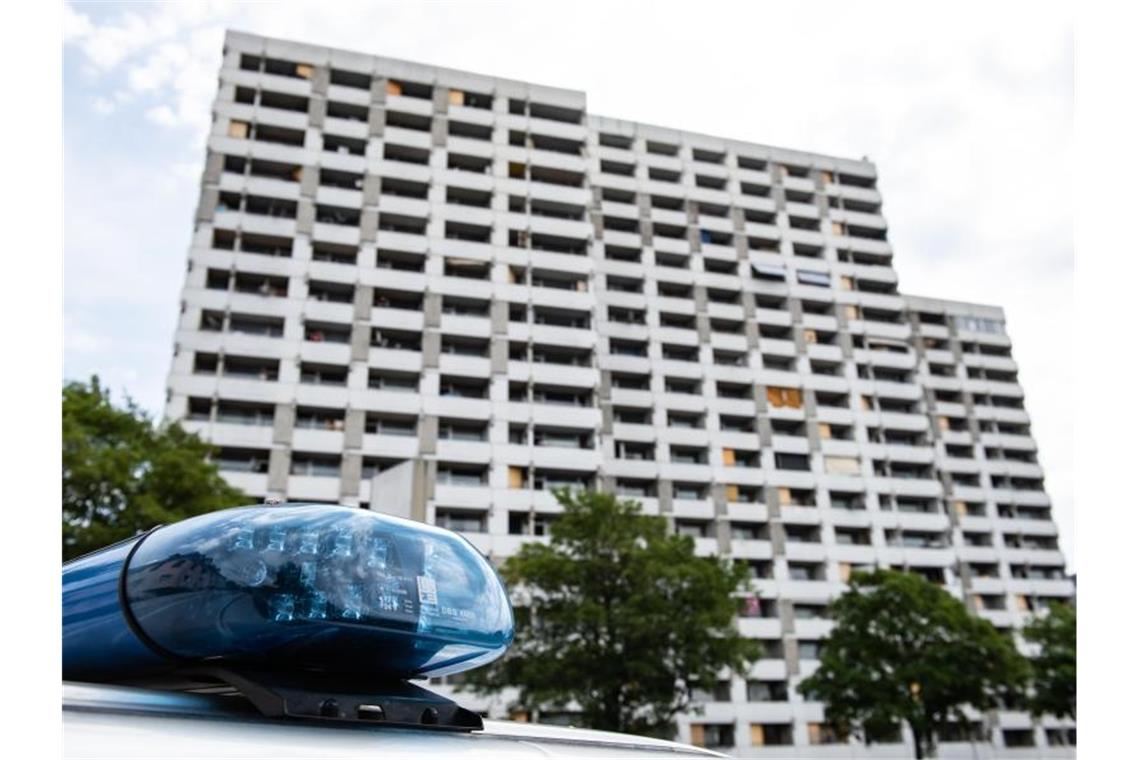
x=1055 y=667
x=122 y=474
x=904 y=650
x=619 y=617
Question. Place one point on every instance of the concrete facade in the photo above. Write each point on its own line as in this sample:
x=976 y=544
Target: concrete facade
x=395 y=263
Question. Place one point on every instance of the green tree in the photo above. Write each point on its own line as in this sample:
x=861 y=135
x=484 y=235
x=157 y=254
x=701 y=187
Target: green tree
x=904 y=650
x=123 y=474
x=619 y=616
x=1055 y=667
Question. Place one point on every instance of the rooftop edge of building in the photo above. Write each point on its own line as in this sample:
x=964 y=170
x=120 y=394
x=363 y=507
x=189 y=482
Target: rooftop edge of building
x=862 y=166
x=559 y=96
x=321 y=55
x=963 y=308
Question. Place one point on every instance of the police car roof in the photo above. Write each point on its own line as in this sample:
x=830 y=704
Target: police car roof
x=129 y=722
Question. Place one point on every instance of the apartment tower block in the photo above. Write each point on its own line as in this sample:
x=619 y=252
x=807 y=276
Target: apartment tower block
x=456 y=292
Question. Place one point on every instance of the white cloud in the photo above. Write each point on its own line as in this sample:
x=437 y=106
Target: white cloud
x=102 y=106
x=75 y=24
x=163 y=115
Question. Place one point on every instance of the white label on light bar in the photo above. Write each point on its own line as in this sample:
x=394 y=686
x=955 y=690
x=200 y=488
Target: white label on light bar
x=427 y=590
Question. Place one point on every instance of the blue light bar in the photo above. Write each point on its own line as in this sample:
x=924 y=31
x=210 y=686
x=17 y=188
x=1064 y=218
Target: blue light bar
x=303 y=587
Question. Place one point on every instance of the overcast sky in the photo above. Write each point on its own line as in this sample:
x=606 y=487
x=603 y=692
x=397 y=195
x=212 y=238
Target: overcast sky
x=967 y=110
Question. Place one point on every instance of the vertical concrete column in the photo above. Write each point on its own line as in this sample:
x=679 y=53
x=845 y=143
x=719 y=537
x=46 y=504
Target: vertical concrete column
x=215 y=163
x=306 y=216
x=375 y=122
x=310 y=179
x=439 y=131
x=791 y=655
x=207 y=204
x=369 y=224
x=772 y=498
x=318 y=107
x=351 y=466
x=321 y=78
x=646 y=232
x=433 y=310
x=284 y=418
x=738 y=226
x=694 y=237
x=371 y=190
x=279 y=457
x=431 y=349
x=429 y=434
x=720 y=515
x=665 y=498
x=360 y=341
x=354 y=420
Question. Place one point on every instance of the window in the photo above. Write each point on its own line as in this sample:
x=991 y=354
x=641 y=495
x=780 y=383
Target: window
x=784 y=397
x=334 y=254
x=462 y=387
x=462 y=430
x=238 y=413
x=319 y=419
x=755 y=607
x=567 y=439
x=461 y=475
x=461 y=520
x=767 y=691
x=377 y=424
x=323 y=374
x=396 y=340
x=721 y=692
x=690 y=491
x=1061 y=737
x=734 y=424
x=841 y=465
x=634 y=487
x=745 y=531
x=1018 y=737
x=808 y=649
x=713 y=735
x=400 y=382
x=242 y=460
x=853 y=536
x=632 y=415
x=691 y=420
x=691 y=528
x=821 y=733
x=315 y=465
x=464 y=346
x=805 y=571
x=550 y=479
x=327 y=332
x=802 y=534
x=518 y=523
x=785 y=461
x=771 y=734
x=770 y=272
x=809 y=611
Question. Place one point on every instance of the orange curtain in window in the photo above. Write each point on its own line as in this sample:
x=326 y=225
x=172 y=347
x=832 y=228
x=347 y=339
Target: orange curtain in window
x=779 y=397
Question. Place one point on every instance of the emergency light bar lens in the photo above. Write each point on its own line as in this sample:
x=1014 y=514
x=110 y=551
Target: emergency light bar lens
x=318 y=587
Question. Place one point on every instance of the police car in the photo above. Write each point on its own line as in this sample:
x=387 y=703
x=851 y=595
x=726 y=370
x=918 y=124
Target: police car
x=293 y=631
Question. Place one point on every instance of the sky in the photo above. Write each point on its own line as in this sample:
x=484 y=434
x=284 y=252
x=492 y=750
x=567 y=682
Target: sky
x=966 y=109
